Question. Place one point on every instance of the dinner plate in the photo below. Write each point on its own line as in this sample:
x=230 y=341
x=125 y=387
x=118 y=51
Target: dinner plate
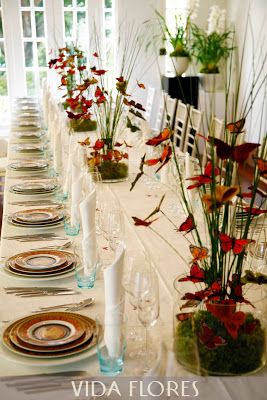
x=27 y=148
x=24 y=356
x=29 y=135
x=64 y=271
x=50 y=329
x=38 y=259
x=28 y=165
x=37 y=215
x=52 y=349
x=35 y=226
x=67 y=264
x=27 y=278
x=33 y=187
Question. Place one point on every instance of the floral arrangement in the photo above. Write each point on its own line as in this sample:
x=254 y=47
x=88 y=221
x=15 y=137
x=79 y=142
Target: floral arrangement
x=217 y=331
x=211 y=46
x=71 y=65
x=178 y=38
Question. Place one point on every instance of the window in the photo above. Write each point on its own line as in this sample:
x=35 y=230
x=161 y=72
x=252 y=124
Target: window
x=76 y=23
x=4 y=109
x=109 y=32
x=34 y=43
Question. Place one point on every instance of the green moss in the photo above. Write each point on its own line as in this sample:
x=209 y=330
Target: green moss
x=111 y=170
x=82 y=126
x=238 y=356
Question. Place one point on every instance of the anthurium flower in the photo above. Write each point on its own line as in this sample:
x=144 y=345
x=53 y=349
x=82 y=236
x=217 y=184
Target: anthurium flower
x=197 y=274
x=98 y=71
x=99 y=144
x=238 y=153
x=223 y=195
x=205 y=178
x=164 y=135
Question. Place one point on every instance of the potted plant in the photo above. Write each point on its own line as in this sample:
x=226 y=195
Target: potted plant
x=210 y=48
x=177 y=39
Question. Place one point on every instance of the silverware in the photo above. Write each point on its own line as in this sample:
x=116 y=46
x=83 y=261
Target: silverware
x=64 y=246
x=35 y=238
x=86 y=302
x=34 y=289
x=47 y=293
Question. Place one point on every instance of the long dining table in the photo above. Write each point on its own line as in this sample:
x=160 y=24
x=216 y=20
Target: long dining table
x=167 y=249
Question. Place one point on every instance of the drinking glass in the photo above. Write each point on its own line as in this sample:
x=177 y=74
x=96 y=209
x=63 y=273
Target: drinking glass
x=112 y=225
x=85 y=271
x=148 y=313
x=111 y=342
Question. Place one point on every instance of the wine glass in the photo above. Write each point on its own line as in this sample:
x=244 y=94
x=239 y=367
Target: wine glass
x=112 y=225
x=148 y=313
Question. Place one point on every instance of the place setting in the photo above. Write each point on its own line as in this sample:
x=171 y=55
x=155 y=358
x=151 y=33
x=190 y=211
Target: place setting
x=30 y=166
x=29 y=148
x=37 y=218
x=51 y=338
x=35 y=187
x=44 y=263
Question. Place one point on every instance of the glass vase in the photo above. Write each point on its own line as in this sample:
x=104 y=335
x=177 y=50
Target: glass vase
x=218 y=339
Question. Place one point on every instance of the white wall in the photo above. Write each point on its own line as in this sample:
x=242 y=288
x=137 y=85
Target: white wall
x=256 y=124
x=135 y=13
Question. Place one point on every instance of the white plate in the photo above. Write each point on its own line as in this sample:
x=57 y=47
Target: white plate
x=48 y=362
x=32 y=227
x=54 y=277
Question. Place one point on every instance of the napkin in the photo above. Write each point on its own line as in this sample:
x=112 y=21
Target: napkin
x=114 y=301
x=77 y=177
x=87 y=213
x=57 y=149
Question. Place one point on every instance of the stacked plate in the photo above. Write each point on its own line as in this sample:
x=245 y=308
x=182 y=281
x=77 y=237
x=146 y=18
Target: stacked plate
x=29 y=166
x=34 y=187
x=29 y=148
x=50 y=335
x=29 y=135
x=41 y=263
x=37 y=218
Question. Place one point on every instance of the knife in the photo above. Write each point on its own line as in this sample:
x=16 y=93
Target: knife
x=39 y=294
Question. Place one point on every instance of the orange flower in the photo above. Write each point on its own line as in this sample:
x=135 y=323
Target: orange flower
x=223 y=195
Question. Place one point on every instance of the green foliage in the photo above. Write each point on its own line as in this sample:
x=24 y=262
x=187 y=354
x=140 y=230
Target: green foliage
x=85 y=125
x=237 y=356
x=112 y=170
x=178 y=40
x=210 y=49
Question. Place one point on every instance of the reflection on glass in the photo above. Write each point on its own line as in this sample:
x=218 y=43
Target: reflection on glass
x=108 y=33
x=38 y=3
x=26 y=23
x=108 y=17
x=2 y=55
x=80 y=3
x=1 y=25
x=68 y=18
x=28 y=54
x=67 y=3
x=81 y=17
x=30 y=83
x=39 y=22
x=25 y=3
x=41 y=51
x=3 y=84
x=108 y=3
x=42 y=75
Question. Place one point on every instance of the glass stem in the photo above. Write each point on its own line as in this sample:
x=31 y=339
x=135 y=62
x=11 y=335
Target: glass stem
x=147 y=349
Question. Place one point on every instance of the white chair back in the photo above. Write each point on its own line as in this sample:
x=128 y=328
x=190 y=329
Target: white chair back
x=216 y=130
x=149 y=103
x=169 y=111
x=193 y=126
x=160 y=113
x=180 y=124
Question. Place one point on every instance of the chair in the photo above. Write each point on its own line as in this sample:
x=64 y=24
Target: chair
x=169 y=111
x=160 y=113
x=149 y=103
x=193 y=126
x=216 y=130
x=180 y=124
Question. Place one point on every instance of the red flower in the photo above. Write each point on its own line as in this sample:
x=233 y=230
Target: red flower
x=208 y=338
x=141 y=222
x=164 y=135
x=197 y=274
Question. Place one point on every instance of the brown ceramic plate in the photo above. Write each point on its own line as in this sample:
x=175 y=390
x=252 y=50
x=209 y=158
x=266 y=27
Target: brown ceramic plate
x=50 y=329
x=52 y=355
x=89 y=332
x=41 y=259
x=37 y=215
